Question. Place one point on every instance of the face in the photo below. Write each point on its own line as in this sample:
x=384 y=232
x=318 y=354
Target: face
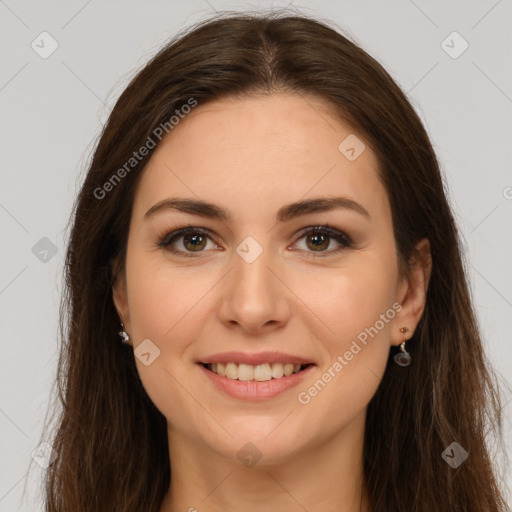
x=315 y=285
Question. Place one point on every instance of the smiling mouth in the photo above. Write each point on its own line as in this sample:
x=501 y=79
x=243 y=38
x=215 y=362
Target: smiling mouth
x=260 y=373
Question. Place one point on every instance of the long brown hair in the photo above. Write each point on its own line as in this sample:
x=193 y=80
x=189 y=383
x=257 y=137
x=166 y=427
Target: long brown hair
x=111 y=441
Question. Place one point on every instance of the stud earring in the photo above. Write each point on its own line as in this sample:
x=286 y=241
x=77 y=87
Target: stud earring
x=124 y=336
x=403 y=358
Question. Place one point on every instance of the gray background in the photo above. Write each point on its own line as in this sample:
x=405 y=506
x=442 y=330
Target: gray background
x=53 y=110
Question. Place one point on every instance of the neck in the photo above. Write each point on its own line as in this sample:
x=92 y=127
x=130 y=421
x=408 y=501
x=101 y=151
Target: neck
x=326 y=477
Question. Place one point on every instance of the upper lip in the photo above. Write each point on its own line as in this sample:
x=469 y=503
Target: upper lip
x=254 y=359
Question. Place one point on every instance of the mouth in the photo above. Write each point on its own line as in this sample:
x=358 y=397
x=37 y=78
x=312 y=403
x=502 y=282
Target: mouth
x=258 y=373
x=255 y=382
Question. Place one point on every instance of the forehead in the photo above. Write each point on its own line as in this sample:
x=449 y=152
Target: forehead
x=281 y=148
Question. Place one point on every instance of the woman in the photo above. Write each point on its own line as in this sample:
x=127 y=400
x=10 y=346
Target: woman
x=265 y=224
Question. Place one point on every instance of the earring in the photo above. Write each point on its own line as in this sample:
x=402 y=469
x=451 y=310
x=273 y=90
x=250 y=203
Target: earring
x=124 y=336
x=403 y=358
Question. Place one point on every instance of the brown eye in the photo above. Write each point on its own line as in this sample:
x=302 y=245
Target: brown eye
x=194 y=242
x=318 y=239
x=186 y=241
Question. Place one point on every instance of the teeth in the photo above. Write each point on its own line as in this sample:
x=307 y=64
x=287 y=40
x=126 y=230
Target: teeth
x=232 y=371
x=245 y=372
x=277 y=370
x=288 y=369
x=260 y=372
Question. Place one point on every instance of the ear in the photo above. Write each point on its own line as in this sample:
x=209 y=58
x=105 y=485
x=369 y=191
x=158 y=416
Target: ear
x=120 y=296
x=413 y=292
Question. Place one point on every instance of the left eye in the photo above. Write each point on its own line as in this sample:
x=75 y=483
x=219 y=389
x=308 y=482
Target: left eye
x=319 y=238
x=195 y=240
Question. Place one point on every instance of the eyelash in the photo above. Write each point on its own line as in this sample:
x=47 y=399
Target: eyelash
x=340 y=237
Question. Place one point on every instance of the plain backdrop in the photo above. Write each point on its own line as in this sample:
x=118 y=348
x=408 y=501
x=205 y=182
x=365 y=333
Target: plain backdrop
x=53 y=109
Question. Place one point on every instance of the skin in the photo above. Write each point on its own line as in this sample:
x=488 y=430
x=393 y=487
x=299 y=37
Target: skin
x=252 y=157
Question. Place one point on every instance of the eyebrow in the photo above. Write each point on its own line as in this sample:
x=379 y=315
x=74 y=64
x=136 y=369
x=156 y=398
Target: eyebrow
x=284 y=214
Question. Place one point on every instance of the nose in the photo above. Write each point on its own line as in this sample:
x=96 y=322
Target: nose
x=255 y=298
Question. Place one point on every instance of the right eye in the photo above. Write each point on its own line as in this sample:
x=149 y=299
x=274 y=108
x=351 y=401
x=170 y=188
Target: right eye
x=191 y=240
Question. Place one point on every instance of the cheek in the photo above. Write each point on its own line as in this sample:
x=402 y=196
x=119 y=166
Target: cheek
x=355 y=304
x=162 y=297
x=350 y=299
x=356 y=317
x=164 y=307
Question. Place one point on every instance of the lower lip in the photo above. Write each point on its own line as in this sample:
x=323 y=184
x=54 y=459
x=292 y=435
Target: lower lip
x=253 y=389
